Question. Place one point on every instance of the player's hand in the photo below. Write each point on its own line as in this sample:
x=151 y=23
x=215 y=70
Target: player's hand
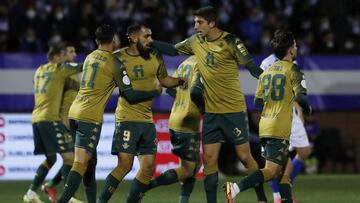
x=159 y=89
x=183 y=82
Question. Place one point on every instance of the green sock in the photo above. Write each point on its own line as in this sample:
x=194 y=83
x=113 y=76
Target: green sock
x=65 y=170
x=210 y=184
x=136 y=192
x=253 y=179
x=40 y=175
x=260 y=193
x=285 y=193
x=72 y=184
x=184 y=199
x=187 y=186
x=111 y=183
x=166 y=178
x=90 y=185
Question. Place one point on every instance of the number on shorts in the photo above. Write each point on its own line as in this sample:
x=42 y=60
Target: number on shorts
x=126 y=137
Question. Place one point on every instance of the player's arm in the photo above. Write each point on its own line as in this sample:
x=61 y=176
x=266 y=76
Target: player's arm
x=181 y=48
x=259 y=101
x=197 y=91
x=125 y=88
x=165 y=48
x=71 y=68
x=299 y=88
x=299 y=111
x=163 y=77
x=242 y=56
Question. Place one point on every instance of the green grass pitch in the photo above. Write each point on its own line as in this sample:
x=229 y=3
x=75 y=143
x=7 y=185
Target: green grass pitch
x=308 y=189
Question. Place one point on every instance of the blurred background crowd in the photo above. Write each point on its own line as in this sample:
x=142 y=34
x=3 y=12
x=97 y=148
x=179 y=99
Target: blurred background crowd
x=321 y=26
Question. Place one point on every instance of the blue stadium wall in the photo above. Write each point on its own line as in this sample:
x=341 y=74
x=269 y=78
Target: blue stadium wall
x=333 y=82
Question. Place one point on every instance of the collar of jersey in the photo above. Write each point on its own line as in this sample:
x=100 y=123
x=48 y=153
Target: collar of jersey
x=222 y=33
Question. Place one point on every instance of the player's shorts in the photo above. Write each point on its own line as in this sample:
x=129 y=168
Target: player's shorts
x=137 y=138
x=229 y=127
x=298 y=137
x=186 y=145
x=275 y=150
x=51 y=138
x=87 y=134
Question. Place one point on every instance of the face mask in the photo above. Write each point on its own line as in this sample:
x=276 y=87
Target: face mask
x=30 y=13
x=29 y=39
x=59 y=15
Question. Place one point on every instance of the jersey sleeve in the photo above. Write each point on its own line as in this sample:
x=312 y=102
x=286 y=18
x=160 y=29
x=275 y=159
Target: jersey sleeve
x=184 y=47
x=298 y=80
x=68 y=69
x=259 y=90
x=238 y=49
x=121 y=77
x=161 y=72
x=259 y=94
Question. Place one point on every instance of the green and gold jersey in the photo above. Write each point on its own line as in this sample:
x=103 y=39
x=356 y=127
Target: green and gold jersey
x=277 y=87
x=101 y=73
x=49 y=80
x=218 y=65
x=72 y=85
x=143 y=75
x=185 y=115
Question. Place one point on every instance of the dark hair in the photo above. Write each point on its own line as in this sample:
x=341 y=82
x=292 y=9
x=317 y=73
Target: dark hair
x=209 y=13
x=134 y=28
x=104 y=34
x=54 y=50
x=68 y=44
x=281 y=42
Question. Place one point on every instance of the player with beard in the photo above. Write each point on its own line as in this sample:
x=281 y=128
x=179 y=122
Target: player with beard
x=135 y=133
x=278 y=87
x=102 y=72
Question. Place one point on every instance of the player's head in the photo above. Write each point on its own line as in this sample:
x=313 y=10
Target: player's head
x=140 y=35
x=70 y=53
x=105 y=35
x=56 y=53
x=284 y=44
x=205 y=19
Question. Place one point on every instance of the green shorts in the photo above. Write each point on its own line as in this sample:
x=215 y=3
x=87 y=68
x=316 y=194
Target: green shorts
x=275 y=150
x=229 y=127
x=137 y=138
x=186 y=145
x=87 y=135
x=51 y=138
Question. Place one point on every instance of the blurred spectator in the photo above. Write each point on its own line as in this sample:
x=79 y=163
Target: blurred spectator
x=320 y=26
x=29 y=42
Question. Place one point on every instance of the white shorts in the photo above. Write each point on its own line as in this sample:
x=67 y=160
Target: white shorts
x=298 y=137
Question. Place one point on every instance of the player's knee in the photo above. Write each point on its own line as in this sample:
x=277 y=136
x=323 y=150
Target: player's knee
x=303 y=153
x=68 y=158
x=189 y=170
x=210 y=159
x=125 y=165
x=50 y=160
x=147 y=168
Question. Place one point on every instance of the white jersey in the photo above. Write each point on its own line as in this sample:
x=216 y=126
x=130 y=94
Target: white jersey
x=298 y=137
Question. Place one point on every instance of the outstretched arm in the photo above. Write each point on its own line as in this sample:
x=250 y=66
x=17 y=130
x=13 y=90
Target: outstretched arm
x=254 y=69
x=165 y=48
x=136 y=96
